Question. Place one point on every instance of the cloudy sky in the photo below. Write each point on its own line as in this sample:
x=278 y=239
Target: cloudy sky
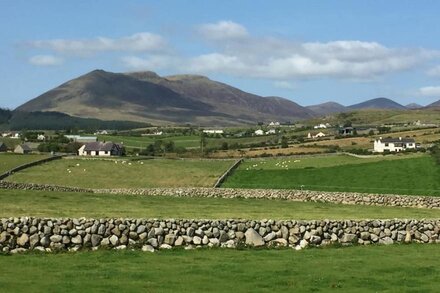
x=306 y=51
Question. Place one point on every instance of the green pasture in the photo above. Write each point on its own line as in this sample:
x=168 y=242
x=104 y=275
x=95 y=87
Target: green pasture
x=125 y=173
x=16 y=203
x=419 y=175
x=9 y=160
x=396 y=268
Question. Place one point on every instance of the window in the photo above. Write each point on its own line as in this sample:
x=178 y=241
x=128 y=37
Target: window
x=386 y=144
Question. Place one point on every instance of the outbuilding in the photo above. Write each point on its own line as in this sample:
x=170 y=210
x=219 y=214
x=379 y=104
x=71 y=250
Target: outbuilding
x=22 y=149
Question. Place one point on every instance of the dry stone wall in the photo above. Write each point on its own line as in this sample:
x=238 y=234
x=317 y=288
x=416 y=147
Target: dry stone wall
x=27 y=233
x=352 y=198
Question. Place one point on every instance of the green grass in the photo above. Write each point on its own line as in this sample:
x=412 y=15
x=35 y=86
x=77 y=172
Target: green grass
x=397 y=268
x=418 y=175
x=9 y=161
x=107 y=174
x=141 y=142
x=16 y=203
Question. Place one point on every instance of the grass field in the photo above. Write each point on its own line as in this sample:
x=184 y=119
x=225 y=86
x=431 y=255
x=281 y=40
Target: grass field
x=9 y=161
x=114 y=173
x=397 y=268
x=141 y=142
x=419 y=175
x=16 y=203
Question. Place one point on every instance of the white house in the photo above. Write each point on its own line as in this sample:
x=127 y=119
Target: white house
x=319 y=134
x=259 y=132
x=103 y=149
x=274 y=123
x=271 y=131
x=320 y=126
x=213 y=131
x=393 y=144
x=41 y=137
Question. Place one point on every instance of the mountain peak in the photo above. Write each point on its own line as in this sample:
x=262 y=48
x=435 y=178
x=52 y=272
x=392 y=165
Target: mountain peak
x=378 y=103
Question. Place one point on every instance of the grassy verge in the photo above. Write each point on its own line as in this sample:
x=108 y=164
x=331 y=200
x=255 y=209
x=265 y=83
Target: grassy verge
x=53 y=204
x=131 y=174
x=404 y=268
x=418 y=175
x=9 y=161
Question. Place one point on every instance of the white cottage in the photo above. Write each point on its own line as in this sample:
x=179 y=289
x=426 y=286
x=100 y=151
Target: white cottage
x=103 y=149
x=393 y=144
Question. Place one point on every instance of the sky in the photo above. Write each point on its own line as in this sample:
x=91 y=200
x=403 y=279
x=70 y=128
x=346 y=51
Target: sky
x=306 y=51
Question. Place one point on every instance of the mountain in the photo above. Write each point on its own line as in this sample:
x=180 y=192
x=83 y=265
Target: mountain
x=413 y=106
x=147 y=97
x=327 y=108
x=379 y=103
x=434 y=105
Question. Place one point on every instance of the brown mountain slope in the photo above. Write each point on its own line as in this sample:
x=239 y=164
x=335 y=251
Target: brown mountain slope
x=327 y=108
x=145 y=96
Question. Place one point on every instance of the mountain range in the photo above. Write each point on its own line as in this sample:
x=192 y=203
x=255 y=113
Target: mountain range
x=179 y=99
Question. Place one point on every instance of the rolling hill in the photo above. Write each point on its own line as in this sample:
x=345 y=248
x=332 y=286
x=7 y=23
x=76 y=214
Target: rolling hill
x=327 y=108
x=434 y=105
x=147 y=97
x=378 y=103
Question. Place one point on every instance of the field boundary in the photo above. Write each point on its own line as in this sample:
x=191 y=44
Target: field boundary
x=222 y=178
x=349 y=198
x=28 y=165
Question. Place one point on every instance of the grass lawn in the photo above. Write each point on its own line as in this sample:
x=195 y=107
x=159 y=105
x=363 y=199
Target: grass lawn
x=396 y=268
x=16 y=203
x=9 y=160
x=131 y=174
x=417 y=175
x=141 y=142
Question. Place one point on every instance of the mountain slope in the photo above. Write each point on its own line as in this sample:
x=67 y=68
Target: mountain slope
x=147 y=97
x=379 y=103
x=327 y=108
x=413 y=106
x=434 y=105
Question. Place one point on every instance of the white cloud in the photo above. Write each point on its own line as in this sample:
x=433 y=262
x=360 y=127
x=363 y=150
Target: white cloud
x=435 y=71
x=223 y=30
x=45 y=60
x=139 y=42
x=430 y=91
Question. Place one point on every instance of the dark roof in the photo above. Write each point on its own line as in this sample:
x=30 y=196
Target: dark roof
x=25 y=147
x=396 y=140
x=100 y=146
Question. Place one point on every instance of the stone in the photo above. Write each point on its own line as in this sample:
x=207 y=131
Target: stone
x=179 y=241
x=34 y=240
x=148 y=248
x=386 y=241
x=158 y=231
x=197 y=240
x=114 y=240
x=3 y=236
x=121 y=247
x=77 y=239
x=56 y=238
x=280 y=242
x=253 y=238
x=424 y=237
x=303 y=243
x=408 y=237
x=349 y=238
x=315 y=240
x=153 y=242
x=170 y=239
x=96 y=239
x=270 y=236
x=165 y=246
x=45 y=241
x=374 y=237
x=205 y=240
x=214 y=241
x=23 y=240
x=105 y=242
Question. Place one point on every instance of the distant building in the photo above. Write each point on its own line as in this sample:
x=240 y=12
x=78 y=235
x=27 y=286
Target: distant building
x=213 y=131
x=41 y=137
x=271 y=131
x=3 y=147
x=82 y=139
x=259 y=132
x=319 y=134
x=346 y=131
x=319 y=126
x=274 y=123
x=22 y=149
x=103 y=149
x=393 y=144
x=103 y=132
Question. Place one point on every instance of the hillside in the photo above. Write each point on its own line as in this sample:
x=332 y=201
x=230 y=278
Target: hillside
x=327 y=108
x=434 y=105
x=378 y=103
x=147 y=97
x=413 y=106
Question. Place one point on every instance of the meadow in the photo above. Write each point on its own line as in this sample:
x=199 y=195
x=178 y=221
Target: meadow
x=410 y=175
x=17 y=203
x=396 y=268
x=9 y=161
x=125 y=173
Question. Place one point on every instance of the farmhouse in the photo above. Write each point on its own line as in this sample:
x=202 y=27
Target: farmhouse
x=22 y=149
x=259 y=132
x=3 y=147
x=393 y=144
x=104 y=149
x=320 y=126
x=213 y=131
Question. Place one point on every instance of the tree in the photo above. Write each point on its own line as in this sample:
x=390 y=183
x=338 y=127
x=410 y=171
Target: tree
x=284 y=142
x=202 y=141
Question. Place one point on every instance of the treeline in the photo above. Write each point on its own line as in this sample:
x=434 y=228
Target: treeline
x=17 y=120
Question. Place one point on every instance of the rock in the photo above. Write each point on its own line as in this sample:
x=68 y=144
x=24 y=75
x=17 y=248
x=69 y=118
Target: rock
x=179 y=241
x=408 y=237
x=197 y=240
x=23 y=240
x=349 y=238
x=153 y=242
x=158 y=231
x=205 y=240
x=424 y=238
x=45 y=241
x=148 y=248
x=170 y=239
x=165 y=246
x=223 y=237
x=105 y=242
x=96 y=239
x=114 y=240
x=77 y=239
x=121 y=247
x=56 y=238
x=253 y=238
x=315 y=240
x=293 y=239
x=230 y=244
x=214 y=241
x=374 y=237
x=365 y=235
x=269 y=236
x=303 y=243
x=280 y=242
x=3 y=236
x=386 y=241
x=18 y=250
x=34 y=240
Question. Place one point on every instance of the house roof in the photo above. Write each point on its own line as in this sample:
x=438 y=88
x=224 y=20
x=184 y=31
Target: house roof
x=397 y=140
x=100 y=146
x=25 y=147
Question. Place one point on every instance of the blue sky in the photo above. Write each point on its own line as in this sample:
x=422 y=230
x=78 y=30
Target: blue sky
x=306 y=51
